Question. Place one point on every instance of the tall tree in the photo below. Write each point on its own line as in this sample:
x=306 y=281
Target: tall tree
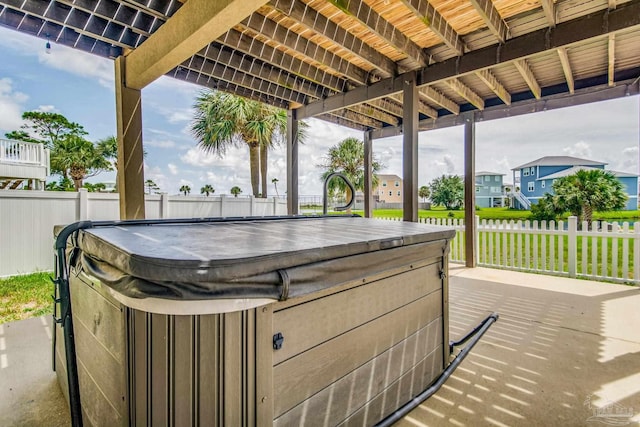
x=150 y=187
x=235 y=190
x=185 y=189
x=46 y=128
x=207 y=189
x=347 y=158
x=447 y=191
x=223 y=120
x=424 y=193
x=587 y=191
x=275 y=181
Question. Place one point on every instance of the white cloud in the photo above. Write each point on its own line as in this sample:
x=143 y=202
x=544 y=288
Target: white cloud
x=183 y=115
x=11 y=106
x=47 y=108
x=173 y=169
x=627 y=162
x=579 y=149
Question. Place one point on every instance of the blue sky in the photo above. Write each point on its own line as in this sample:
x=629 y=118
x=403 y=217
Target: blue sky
x=80 y=86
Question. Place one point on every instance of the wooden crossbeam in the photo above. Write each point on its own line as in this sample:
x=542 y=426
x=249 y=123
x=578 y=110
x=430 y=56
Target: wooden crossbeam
x=566 y=68
x=369 y=111
x=439 y=98
x=282 y=35
x=465 y=92
x=494 y=84
x=436 y=23
x=549 y=8
x=191 y=28
x=525 y=71
x=360 y=11
x=611 y=59
x=309 y=18
x=492 y=18
x=423 y=107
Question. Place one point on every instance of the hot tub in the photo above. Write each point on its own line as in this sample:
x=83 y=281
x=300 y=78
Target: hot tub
x=254 y=321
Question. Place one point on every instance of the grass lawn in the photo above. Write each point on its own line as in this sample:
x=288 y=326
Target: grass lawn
x=497 y=214
x=26 y=296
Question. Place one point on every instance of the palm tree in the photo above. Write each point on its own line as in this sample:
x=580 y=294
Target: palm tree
x=424 y=192
x=207 y=189
x=223 y=120
x=589 y=190
x=347 y=158
x=185 y=189
x=275 y=181
x=77 y=158
x=235 y=190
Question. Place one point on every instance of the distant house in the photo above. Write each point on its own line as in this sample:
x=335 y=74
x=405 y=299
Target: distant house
x=489 y=189
x=389 y=189
x=537 y=177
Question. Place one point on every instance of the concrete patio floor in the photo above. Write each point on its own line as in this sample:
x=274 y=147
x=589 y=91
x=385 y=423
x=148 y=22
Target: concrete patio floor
x=561 y=349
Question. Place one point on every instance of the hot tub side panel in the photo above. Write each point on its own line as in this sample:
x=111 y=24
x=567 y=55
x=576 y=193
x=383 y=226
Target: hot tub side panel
x=356 y=354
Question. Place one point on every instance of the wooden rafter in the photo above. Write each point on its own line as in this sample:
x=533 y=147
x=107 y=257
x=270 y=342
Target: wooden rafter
x=466 y=92
x=566 y=68
x=309 y=18
x=525 y=71
x=423 y=107
x=370 y=111
x=439 y=98
x=549 y=8
x=282 y=35
x=245 y=44
x=368 y=17
x=436 y=23
x=611 y=64
x=492 y=18
x=494 y=84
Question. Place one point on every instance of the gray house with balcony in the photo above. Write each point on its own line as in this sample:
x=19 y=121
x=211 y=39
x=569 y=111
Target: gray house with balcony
x=489 y=189
x=23 y=165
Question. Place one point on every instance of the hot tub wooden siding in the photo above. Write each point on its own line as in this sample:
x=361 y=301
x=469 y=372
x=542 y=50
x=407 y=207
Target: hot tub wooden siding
x=351 y=354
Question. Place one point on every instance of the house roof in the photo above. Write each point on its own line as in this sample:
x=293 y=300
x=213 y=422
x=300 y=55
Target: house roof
x=388 y=177
x=572 y=170
x=560 y=161
x=483 y=173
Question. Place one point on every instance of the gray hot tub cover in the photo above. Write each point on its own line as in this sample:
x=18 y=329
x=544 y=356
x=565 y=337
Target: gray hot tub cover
x=262 y=258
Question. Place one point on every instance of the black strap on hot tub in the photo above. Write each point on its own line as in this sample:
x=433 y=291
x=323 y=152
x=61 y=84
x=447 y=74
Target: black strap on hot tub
x=286 y=282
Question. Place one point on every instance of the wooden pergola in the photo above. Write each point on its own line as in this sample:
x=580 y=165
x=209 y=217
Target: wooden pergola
x=385 y=67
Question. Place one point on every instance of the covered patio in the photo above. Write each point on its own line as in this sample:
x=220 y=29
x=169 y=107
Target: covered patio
x=564 y=352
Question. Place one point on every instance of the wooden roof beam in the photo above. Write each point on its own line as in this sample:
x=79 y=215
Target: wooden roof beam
x=369 y=111
x=436 y=97
x=423 y=107
x=492 y=18
x=436 y=23
x=388 y=105
x=358 y=117
x=528 y=76
x=360 y=11
x=243 y=43
x=311 y=19
x=611 y=65
x=563 y=35
x=332 y=118
x=294 y=41
x=549 y=8
x=191 y=28
x=494 y=84
x=465 y=92
x=566 y=68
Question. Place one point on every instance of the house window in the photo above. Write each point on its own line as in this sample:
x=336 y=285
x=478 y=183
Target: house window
x=533 y=170
x=397 y=184
x=495 y=189
x=487 y=178
x=391 y=193
x=497 y=178
x=384 y=183
x=542 y=184
x=477 y=189
x=532 y=186
x=398 y=192
x=525 y=172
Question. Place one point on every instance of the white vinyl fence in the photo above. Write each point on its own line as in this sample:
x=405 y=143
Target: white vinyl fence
x=27 y=218
x=605 y=251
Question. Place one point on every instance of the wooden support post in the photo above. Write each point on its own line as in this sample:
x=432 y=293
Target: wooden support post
x=130 y=152
x=292 y=163
x=410 y=148
x=368 y=175
x=470 y=189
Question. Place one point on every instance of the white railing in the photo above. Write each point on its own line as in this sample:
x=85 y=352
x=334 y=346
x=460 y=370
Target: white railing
x=23 y=152
x=605 y=251
x=524 y=202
